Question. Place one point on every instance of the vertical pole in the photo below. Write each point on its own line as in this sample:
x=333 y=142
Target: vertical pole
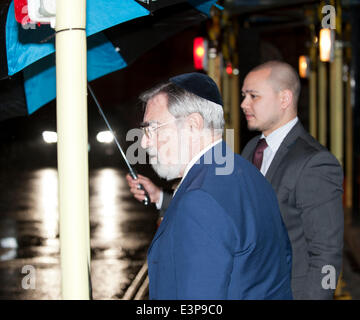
x=226 y=94
x=336 y=105
x=349 y=146
x=336 y=108
x=235 y=94
x=322 y=92
x=336 y=122
x=214 y=60
x=235 y=111
x=312 y=111
x=336 y=94
x=214 y=68
x=71 y=108
x=313 y=87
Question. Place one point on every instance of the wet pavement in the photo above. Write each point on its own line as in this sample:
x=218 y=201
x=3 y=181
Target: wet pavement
x=121 y=230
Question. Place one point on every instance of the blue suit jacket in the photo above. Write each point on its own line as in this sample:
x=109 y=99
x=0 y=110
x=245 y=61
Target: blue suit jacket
x=222 y=236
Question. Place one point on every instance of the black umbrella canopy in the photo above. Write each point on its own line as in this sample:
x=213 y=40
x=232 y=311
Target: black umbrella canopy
x=154 y=5
x=12 y=98
x=132 y=39
x=136 y=37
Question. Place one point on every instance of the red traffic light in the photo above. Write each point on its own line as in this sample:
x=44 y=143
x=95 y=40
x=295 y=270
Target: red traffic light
x=200 y=53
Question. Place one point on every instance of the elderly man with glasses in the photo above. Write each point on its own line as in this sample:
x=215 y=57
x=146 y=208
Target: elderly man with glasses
x=222 y=237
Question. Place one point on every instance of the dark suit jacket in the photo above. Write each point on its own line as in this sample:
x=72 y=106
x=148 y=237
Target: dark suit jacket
x=222 y=237
x=308 y=182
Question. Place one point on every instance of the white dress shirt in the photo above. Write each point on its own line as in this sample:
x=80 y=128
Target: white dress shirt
x=274 y=139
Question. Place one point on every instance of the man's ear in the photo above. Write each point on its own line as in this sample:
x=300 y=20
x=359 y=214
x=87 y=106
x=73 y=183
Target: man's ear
x=286 y=98
x=195 y=121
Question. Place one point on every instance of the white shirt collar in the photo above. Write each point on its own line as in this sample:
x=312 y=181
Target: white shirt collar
x=195 y=159
x=275 y=138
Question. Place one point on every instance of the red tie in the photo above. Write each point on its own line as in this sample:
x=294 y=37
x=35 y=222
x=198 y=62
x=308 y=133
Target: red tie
x=259 y=153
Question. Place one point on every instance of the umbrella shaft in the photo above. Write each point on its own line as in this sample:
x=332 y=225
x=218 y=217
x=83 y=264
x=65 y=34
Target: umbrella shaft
x=112 y=131
x=133 y=173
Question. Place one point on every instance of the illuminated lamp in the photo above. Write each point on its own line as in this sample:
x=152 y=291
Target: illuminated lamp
x=200 y=53
x=326 y=43
x=229 y=69
x=304 y=66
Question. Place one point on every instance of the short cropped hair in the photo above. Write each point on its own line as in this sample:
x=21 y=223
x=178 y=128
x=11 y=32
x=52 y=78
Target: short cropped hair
x=282 y=76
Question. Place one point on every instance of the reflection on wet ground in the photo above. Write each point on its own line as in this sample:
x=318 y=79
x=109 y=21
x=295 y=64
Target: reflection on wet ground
x=121 y=230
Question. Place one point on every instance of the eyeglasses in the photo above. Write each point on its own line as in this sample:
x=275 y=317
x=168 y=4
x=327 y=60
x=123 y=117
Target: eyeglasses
x=149 y=128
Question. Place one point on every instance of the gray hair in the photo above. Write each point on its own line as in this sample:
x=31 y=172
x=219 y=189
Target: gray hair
x=182 y=103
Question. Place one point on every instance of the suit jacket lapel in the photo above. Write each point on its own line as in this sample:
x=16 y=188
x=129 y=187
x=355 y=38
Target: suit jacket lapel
x=249 y=149
x=170 y=210
x=289 y=140
x=189 y=179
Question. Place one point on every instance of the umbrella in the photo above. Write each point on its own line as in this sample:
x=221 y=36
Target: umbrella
x=115 y=41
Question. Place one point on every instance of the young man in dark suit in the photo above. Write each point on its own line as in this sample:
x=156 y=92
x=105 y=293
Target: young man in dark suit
x=307 y=178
